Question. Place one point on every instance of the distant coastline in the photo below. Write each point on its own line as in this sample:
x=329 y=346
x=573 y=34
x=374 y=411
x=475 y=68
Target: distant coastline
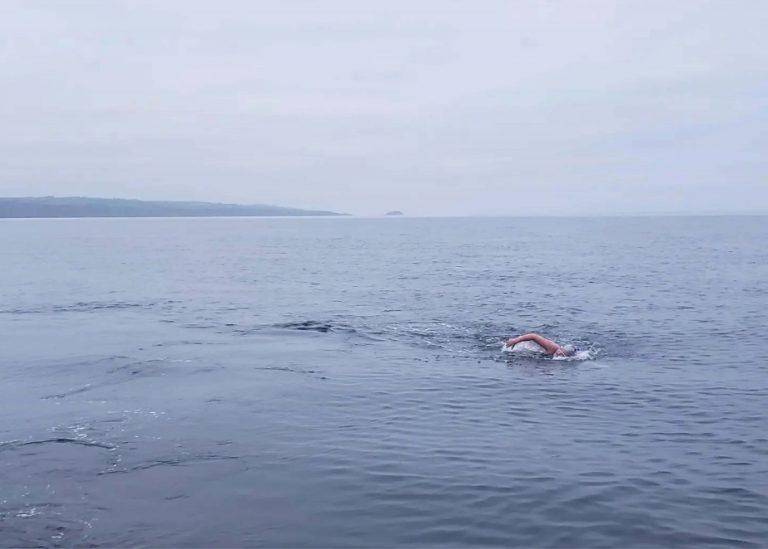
x=76 y=206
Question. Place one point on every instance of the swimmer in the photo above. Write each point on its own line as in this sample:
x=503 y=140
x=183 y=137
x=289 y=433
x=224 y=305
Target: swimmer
x=548 y=346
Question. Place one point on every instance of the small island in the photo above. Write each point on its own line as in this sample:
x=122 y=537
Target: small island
x=394 y=213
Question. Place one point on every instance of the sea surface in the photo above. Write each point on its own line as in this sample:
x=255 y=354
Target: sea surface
x=339 y=382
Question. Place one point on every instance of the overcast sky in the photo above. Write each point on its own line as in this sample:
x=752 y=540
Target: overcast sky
x=434 y=108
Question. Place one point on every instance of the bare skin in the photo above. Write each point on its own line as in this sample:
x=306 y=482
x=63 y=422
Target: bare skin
x=549 y=346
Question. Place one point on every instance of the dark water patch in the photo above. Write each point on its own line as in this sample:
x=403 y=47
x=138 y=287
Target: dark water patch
x=13 y=445
x=186 y=343
x=290 y=369
x=342 y=327
x=307 y=325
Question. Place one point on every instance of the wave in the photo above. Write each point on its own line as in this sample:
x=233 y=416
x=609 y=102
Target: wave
x=86 y=307
x=13 y=444
x=459 y=340
x=327 y=326
x=171 y=461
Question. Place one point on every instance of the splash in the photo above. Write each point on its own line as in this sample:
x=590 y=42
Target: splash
x=531 y=348
x=588 y=354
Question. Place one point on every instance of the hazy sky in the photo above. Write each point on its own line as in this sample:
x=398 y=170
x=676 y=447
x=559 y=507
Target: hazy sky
x=472 y=107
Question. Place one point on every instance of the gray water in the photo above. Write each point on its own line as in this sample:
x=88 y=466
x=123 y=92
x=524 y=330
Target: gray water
x=339 y=382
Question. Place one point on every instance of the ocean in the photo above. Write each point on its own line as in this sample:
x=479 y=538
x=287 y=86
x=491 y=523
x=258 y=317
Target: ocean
x=339 y=382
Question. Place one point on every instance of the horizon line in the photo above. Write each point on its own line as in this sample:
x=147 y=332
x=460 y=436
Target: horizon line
x=642 y=213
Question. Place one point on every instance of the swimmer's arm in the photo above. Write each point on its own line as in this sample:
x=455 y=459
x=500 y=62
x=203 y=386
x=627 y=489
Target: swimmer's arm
x=547 y=344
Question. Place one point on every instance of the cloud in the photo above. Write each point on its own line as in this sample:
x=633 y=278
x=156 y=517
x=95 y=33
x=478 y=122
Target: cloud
x=430 y=107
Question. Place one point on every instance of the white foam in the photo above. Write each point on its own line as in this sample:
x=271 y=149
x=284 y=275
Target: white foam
x=524 y=347
x=531 y=347
x=578 y=355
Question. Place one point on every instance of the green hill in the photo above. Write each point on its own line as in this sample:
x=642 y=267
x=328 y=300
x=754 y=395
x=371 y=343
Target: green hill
x=50 y=206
